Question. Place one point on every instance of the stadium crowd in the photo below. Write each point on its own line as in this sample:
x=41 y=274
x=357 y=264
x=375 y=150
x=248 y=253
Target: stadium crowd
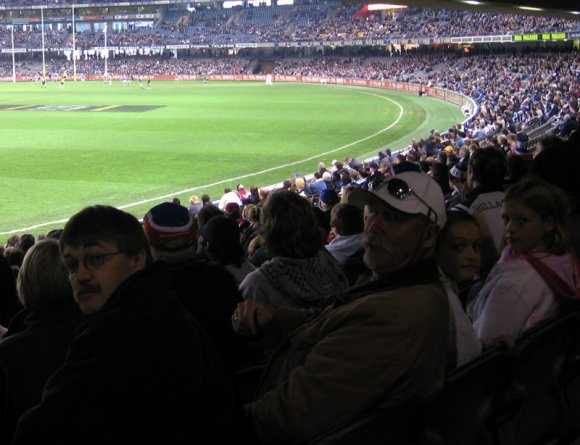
x=366 y=282
x=317 y=22
x=474 y=243
x=151 y=66
x=509 y=94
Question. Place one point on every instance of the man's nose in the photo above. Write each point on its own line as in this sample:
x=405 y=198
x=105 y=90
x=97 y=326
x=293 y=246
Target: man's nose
x=82 y=273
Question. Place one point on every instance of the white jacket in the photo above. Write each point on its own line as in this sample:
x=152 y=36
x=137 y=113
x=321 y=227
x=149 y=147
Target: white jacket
x=514 y=298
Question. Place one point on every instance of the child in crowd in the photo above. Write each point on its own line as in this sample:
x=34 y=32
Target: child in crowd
x=458 y=252
x=458 y=257
x=537 y=273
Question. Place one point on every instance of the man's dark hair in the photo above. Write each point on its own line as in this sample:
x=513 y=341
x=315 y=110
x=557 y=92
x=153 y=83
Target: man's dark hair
x=206 y=213
x=26 y=242
x=347 y=219
x=488 y=167
x=222 y=241
x=106 y=223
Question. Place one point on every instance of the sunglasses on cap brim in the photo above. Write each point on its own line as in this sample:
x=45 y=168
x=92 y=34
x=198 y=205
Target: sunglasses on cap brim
x=400 y=190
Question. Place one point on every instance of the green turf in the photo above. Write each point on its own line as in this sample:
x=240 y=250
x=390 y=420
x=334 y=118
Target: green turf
x=200 y=139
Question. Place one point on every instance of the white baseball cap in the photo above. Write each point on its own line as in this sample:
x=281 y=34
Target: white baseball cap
x=409 y=192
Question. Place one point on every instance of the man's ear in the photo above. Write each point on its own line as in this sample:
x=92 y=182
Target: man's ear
x=430 y=236
x=140 y=260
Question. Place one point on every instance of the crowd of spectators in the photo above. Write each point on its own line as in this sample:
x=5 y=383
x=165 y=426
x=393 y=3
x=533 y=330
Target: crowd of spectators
x=130 y=66
x=33 y=38
x=509 y=94
x=319 y=22
x=513 y=92
x=428 y=284
x=365 y=281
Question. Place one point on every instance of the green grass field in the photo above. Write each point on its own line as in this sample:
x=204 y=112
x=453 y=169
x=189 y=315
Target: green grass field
x=90 y=143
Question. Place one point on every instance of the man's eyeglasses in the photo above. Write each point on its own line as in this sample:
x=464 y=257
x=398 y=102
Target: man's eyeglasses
x=400 y=190
x=92 y=261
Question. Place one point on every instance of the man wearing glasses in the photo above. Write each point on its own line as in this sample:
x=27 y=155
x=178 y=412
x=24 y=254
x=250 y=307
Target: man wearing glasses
x=141 y=369
x=382 y=343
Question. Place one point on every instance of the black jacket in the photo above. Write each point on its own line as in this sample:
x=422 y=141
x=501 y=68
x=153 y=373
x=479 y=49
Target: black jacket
x=140 y=371
x=31 y=351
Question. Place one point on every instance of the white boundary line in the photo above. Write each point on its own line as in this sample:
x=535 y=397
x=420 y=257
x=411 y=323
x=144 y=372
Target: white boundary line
x=224 y=181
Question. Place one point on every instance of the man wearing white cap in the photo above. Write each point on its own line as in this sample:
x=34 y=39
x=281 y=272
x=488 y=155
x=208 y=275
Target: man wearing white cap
x=382 y=343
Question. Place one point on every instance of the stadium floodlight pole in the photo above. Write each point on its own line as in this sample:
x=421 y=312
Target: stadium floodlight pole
x=13 y=58
x=106 y=53
x=74 y=45
x=42 y=35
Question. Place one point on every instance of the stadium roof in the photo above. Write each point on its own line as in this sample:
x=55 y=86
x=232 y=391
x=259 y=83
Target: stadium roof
x=559 y=8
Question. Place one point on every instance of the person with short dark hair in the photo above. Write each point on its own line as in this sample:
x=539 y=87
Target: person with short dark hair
x=220 y=239
x=345 y=245
x=15 y=256
x=458 y=254
x=207 y=213
x=27 y=241
x=347 y=225
x=140 y=369
x=254 y=197
x=483 y=199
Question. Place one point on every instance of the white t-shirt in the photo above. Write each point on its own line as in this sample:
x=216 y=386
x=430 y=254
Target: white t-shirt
x=488 y=206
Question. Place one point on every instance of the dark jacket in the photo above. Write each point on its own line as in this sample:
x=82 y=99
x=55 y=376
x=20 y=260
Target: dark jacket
x=211 y=294
x=381 y=343
x=140 y=371
x=32 y=350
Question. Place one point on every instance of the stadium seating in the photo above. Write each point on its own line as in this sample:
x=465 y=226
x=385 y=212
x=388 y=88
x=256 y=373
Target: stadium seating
x=526 y=396
x=534 y=402
x=571 y=377
x=465 y=413
x=383 y=425
x=537 y=133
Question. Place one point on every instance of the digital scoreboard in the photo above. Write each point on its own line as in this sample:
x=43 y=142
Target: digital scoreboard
x=539 y=37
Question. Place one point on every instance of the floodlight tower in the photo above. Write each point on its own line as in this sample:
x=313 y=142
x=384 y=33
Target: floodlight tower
x=106 y=54
x=74 y=44
x=42 y=35
x=13 y=58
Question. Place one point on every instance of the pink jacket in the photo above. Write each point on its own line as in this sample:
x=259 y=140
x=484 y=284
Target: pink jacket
x=515 y=296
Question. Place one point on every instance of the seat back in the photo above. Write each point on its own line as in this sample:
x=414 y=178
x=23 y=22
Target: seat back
x=464 y=412
x=379 y=426
x=571 y=375
x=534 y=405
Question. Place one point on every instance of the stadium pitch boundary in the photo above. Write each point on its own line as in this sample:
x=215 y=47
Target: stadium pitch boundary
x=224 y=181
